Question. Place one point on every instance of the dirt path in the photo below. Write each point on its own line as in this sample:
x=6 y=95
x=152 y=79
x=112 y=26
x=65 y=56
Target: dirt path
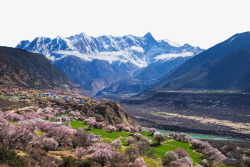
x=19 y=109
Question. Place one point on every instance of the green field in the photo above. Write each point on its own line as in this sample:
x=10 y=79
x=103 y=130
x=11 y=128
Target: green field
x=159 y=150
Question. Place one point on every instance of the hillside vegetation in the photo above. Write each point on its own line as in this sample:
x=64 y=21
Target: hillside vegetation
x=63 y=132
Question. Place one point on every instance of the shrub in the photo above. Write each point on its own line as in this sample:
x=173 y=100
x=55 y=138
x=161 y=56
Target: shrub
x=107 y=140
x=11 y=158
x=69 y=162
x=152 y=162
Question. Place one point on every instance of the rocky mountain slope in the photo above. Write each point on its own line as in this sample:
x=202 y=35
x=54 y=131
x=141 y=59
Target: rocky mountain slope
x=224 y=66
x=20 y=67
x=97 y=62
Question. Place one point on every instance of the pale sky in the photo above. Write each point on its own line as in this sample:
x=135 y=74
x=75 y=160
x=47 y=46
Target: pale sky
x=201 y=23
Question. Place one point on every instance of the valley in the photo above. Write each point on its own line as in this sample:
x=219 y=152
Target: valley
x=221 y=114
x=125 y=83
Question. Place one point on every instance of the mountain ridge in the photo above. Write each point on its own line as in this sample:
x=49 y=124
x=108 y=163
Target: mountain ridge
x=20 y=67
x=224 y=66
x=115 y=58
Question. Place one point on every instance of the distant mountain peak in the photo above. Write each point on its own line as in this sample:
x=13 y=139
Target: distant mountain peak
x=148 y=35
x=99 y=61
x=136 y=50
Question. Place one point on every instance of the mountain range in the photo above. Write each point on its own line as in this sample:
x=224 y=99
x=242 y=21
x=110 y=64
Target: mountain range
x=98 y=63
x=225 y=66
x=23 y=68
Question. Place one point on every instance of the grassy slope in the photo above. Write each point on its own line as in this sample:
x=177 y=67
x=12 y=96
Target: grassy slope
x=159 y=150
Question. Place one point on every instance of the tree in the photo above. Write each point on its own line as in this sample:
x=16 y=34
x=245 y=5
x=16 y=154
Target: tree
x=181 y=153
x=130 y=140
x=80 y=151
x=99 y=125
x=117 y=143
x=146 y=140
x=111 y=128
x=159 y=138
x=120 y=127
x=49 y=144
x=13 y=116
x=60 y=133
x=169 y=157
x=245 y=161
x=198 y=144
x=134 y=129
x=91 y=122
x=174 y=135
x=138 y=136
x=144 y=149
x=214 y=155
x=118 y=159
x=81 y=139
x=184 y=137
x=152 y=131
x=139 y=162
x=185 y=161
x=132 y=153
x=101 y=153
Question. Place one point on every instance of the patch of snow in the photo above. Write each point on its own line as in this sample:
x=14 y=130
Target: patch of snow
x=173 y=56
x=233 y=38
x=175 y=44
x=137 y=49
x=106 y=56
x=69 y=44
x=51 y=58
x=73 y=53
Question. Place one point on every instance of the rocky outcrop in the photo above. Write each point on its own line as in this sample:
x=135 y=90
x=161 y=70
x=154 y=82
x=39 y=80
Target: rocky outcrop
x=111 y=113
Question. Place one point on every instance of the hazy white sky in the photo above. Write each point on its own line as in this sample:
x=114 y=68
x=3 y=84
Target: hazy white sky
x=197 y=22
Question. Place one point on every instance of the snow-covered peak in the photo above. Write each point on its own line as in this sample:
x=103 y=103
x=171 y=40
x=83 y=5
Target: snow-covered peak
x=140 y=51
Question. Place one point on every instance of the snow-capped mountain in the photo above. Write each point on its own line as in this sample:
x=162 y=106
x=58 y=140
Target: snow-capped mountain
x=107 y=56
